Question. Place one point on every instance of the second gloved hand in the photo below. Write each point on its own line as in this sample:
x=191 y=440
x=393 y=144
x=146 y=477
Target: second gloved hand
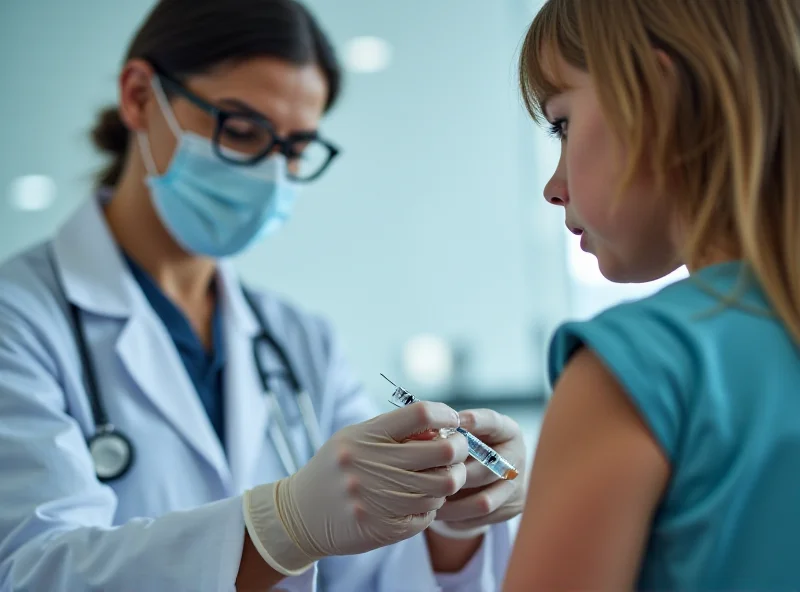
x=485 y=499
x=369 y=486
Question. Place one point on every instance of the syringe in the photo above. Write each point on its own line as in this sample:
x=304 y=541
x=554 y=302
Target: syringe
x=484 y=454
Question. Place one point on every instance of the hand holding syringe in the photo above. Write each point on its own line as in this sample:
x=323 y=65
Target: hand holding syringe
x=484 y=454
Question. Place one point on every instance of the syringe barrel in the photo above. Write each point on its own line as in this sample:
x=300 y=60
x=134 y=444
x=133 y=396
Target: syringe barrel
x=489 y=457
x=481 y=452
x=402 y=396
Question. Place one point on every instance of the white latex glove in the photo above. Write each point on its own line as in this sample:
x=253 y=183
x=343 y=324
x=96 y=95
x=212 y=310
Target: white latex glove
x=368 y=486
x=486 y=499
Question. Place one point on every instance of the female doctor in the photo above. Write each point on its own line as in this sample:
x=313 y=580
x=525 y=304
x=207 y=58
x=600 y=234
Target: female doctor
x=163 y=427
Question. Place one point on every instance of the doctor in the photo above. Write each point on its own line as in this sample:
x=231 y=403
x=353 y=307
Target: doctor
x=162 y=426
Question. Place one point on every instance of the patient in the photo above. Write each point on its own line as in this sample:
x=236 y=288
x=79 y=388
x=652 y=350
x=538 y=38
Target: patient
x=669 y=455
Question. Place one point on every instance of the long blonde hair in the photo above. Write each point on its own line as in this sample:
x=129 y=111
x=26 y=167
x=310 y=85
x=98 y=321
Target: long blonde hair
x=727 y=139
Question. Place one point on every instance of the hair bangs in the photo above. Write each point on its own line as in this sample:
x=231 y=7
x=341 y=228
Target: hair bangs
x=554 y=34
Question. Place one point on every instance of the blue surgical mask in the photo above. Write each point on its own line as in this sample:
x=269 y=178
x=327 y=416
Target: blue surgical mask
x=212 y=207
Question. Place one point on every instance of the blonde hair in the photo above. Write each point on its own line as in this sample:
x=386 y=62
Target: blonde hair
x=725 y=135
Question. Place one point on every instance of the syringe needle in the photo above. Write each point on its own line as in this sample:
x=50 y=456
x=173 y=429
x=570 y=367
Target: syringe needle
x=387 y=380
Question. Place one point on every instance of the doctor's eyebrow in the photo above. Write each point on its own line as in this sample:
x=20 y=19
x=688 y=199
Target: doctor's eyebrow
x=240 y=106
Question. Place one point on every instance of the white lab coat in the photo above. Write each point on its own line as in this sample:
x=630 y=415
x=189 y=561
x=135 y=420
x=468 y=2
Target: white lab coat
x=174 y=521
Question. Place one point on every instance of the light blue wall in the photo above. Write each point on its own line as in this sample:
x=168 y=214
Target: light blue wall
x=432 y=221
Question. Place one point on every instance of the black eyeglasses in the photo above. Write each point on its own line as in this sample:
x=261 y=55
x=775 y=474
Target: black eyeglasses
x=248 y=138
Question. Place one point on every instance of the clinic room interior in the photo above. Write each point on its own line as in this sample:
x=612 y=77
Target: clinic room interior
x=427 y=244
x=304 y=295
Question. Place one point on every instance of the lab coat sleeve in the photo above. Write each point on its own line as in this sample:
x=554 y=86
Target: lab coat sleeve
x=486 y=569
x=56 y=519
x=411 y=569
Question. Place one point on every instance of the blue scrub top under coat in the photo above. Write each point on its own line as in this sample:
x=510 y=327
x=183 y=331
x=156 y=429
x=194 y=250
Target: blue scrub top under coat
x=205 y=368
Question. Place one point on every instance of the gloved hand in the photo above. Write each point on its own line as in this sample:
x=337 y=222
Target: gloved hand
x=369 y=486
x=485 y=499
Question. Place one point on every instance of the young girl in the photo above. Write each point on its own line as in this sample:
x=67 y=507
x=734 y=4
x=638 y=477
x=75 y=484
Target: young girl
x=670 y=454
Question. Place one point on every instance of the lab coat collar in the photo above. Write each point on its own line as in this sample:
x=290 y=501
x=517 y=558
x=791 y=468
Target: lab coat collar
x=97 y=279
x=91 y=265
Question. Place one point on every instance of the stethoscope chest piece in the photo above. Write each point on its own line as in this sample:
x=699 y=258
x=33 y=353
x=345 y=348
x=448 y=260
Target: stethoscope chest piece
x=112 y=453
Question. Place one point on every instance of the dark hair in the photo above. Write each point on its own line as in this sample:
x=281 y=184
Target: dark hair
x=186 y=37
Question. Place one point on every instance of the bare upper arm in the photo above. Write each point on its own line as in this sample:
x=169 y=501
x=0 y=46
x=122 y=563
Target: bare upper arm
x=597 y=478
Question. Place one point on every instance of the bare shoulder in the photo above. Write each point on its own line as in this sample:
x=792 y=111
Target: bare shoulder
x=596 y=481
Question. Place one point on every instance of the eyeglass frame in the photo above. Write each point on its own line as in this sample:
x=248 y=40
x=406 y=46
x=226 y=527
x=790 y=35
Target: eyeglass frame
x=221 y=115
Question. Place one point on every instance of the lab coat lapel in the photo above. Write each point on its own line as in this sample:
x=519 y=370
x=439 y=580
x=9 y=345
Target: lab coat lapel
x=246 y=406
x=150 y=357
x=97 y=279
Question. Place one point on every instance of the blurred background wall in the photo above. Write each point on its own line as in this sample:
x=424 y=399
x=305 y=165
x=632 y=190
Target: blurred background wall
x=428 y=243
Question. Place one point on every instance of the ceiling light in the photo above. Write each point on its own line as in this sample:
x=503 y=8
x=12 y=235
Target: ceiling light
x=32 y=193
x=428 y=360
x=367 y=55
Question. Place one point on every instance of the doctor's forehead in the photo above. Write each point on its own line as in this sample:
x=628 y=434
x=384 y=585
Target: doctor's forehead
x=288 y=94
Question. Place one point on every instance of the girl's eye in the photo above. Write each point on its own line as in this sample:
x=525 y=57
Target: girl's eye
x=558 y=129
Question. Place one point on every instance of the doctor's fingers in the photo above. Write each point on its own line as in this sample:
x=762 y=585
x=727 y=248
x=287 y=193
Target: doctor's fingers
x=489 y=425
x=386 y=492
x=416 y=418
x=478 y=475
x=392 y=529
x=394 y=503
x=398 y=504
x=481 y=504
x=505 y=512
x=379 y=478
x=419 y=455
x=501 y=515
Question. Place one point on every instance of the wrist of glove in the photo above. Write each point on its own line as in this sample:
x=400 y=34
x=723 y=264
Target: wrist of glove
x=369 y=486
x=268 y=520
x=443 y=528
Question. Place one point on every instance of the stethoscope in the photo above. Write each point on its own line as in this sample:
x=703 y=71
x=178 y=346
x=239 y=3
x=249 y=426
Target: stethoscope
x=113 y=452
